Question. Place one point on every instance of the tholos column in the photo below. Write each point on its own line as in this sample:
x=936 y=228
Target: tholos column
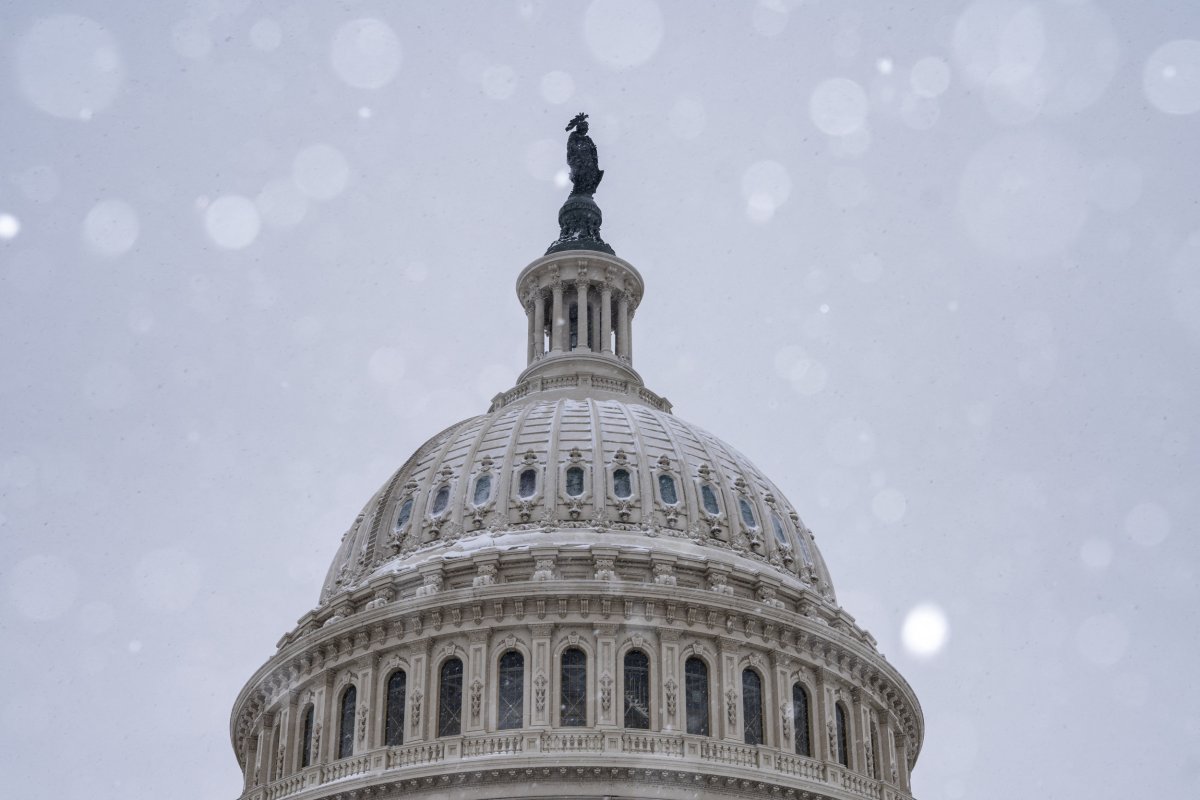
x=623 y=326
x=581 y=341
x=606 y=319
x=529 y=348
x=539 y=326
x=560 y=323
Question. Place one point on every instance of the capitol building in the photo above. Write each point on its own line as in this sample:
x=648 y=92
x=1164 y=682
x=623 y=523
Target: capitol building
x=577 y=594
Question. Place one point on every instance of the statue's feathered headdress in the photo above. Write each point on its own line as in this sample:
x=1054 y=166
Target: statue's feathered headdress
x=579 y=119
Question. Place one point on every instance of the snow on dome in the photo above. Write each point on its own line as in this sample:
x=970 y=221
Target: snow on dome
x=649 y=480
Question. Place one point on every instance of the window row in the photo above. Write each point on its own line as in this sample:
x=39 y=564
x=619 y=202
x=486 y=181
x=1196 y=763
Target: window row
x=622 y=488
x=573 y=703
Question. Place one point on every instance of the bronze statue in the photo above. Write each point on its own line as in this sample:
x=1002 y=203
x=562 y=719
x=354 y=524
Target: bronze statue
x=582 y=159
x=579 y=218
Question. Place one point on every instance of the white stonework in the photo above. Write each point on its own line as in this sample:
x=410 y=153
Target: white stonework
x=579 y=517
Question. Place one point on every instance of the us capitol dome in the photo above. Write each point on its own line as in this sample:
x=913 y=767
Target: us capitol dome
x=577 y=595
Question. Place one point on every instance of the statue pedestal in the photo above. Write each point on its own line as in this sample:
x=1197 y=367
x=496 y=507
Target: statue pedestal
x=579 y=226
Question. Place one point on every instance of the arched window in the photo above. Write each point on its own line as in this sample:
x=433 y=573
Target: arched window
x=874 y=762
x=276 y=741
x=306 y=753
x=346 y=726
x=622 y=486
x=695 y=695
x=574 y=688
x=393 y=728
x=405 y=513
x=804 y=551
x=441 y=500
x=637 y=690
x=527 y=486
x=709 y=498
x=752 y=714
x=747 y=513
x=450 y=686
x=777 y=524
x=511 y=685
x=574 y=481
x=666 y=488
x=483 y=489
x=843 y=751
x=800 y=719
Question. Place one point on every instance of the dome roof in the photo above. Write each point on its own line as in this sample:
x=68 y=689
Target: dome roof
x=577 y=472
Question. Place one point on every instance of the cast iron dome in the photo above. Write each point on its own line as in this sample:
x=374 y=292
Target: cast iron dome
x=577 y=594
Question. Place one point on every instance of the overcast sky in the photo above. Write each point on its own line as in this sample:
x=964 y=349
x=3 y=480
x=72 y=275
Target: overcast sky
x=934 y=267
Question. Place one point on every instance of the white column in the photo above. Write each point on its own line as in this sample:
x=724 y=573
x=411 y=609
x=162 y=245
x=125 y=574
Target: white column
x=581 y=317
x=623 y=348
x=606 y=319
x=529 y=347
x=539 y=325
x=559 y=328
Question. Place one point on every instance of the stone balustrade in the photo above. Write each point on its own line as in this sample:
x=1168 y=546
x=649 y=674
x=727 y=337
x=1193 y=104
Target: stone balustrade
x=700 y=757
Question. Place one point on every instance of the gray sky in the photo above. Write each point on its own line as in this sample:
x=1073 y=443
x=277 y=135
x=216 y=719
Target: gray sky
x=934 y=267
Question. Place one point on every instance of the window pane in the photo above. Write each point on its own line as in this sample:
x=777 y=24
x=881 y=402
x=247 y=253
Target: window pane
x=405 y=513
x=622 y=487
x=710 y=499
x=450 y=698
x=574 y=688
x=528 y=483
x=394 y=725
x=752 y=716
x=511 y=690
x=441 y=500
x=306 y=752
x=804 y=551
x=666 y=488
x=843 y=752
x=777 y=524
x=346 y=730
x=747 y=514
x=574 y=482
x=483 y=489
x=695 y=693
x=637 y=690
x=800 y=720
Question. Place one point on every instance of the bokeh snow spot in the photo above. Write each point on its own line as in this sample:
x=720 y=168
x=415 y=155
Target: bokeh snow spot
x=498 y=81
x=10 y=226
x=623 y=33
x=232 y=221
x=281 y=204
x=365 y=53
x=925 y=631
x=69 y=66
x=929 y=77
x=1171 y=78
x=889 y=506
x=1147 y=524
x=765 y=186
x=838 y=106
x=110 y=228
x=320 y=171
